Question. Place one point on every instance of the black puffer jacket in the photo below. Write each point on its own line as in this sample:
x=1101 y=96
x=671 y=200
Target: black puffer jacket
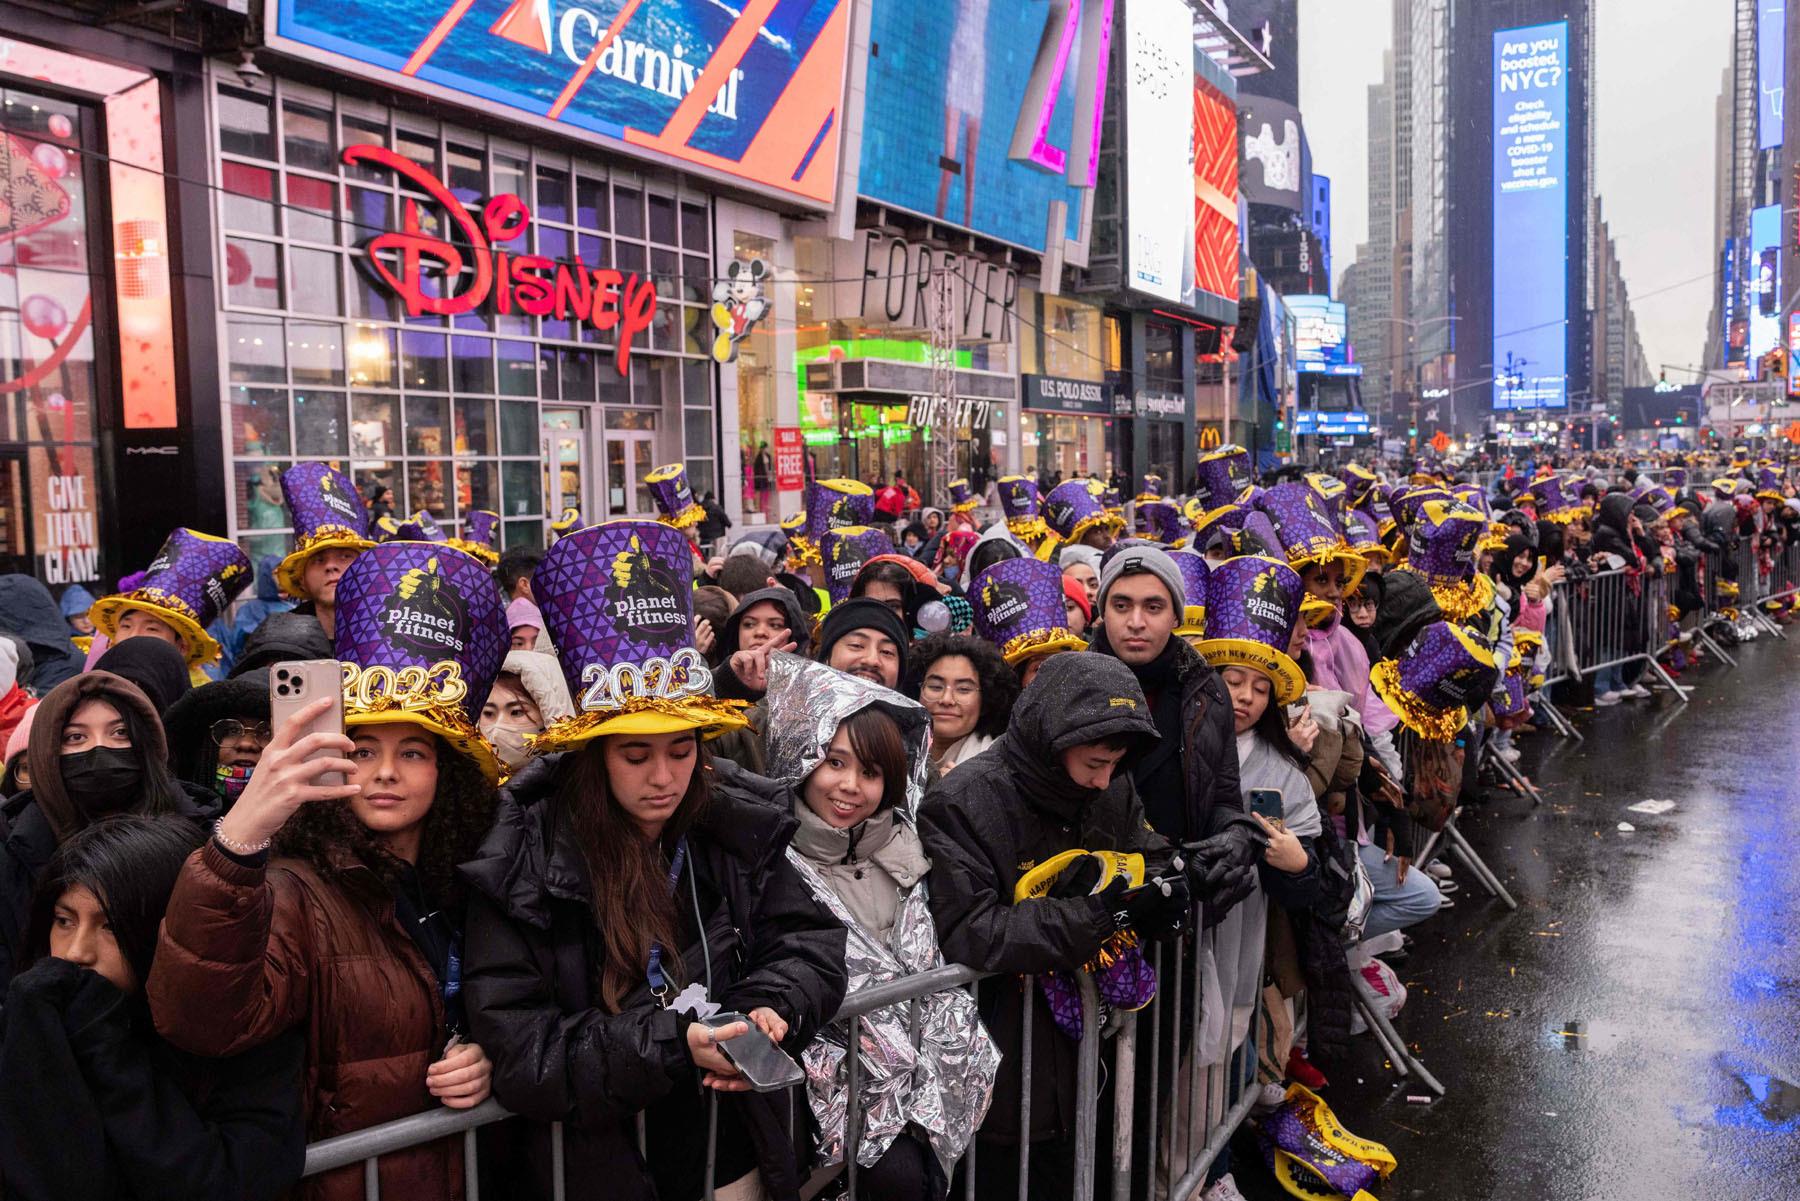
x=1188 y=780
x=112 y=1111
x=1011 y=807
x=283 y=638
x=531 y=972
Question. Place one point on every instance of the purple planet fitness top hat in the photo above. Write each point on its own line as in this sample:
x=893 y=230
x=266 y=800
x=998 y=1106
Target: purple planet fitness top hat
x=1252 y=606
x=1445 y=669
x=674 y=497
x=844 y=551
x=480 y=536
x=326 y=513
x=189 y=583
x=833 y=504
x=1164 y=521
x=1019 y=607
x=422 y=631
x=1195 y=571
x=617 y=600
x=1221 y=475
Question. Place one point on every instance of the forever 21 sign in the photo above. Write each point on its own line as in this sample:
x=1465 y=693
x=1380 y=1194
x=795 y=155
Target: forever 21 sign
x=475 y=274
x=893 y=278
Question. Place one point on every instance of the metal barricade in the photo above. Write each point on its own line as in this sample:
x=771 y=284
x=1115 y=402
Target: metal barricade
x=1219 y=1094
x=1612 y=619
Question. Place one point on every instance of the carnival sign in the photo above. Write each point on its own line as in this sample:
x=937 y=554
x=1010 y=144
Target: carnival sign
x=747 y=94
x=434 y=274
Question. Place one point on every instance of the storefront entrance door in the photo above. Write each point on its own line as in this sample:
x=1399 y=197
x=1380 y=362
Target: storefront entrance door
x=630 y=456
x=567 y=464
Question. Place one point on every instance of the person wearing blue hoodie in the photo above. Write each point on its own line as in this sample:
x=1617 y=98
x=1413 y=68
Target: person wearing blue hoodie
x=75 y=603
x=28 y=612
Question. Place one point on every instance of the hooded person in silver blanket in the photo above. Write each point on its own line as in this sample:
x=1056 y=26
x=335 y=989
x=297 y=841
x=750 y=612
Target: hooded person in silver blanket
x=849 y=759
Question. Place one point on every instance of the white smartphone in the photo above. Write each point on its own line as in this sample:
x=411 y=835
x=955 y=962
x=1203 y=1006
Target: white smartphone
x=295 y=685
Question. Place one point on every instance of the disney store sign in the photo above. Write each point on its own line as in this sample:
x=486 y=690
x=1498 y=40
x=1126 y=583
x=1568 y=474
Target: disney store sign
x=435 y=274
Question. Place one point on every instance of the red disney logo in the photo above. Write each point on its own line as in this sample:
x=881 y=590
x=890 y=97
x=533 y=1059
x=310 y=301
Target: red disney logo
x=532 y=283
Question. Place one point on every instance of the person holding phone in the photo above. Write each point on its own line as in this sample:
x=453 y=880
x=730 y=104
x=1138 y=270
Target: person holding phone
x=854 y=781
x=333 y=907
x=623 y=898
x=1252 y=612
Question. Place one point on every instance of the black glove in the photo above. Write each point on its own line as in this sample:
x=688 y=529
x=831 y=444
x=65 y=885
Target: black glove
x=1222 y=869
x=1154 y=910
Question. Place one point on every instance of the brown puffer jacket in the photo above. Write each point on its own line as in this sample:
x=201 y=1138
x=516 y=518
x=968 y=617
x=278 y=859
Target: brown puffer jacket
x=248 y=952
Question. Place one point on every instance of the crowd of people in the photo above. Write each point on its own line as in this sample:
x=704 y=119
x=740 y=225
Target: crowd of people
x=609 y=830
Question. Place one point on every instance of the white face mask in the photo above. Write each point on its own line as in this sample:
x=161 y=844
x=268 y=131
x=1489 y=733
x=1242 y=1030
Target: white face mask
x=509 y=743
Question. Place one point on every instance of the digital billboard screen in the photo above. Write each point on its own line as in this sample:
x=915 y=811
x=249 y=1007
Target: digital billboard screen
x=947 y=81
x=1321 y=336
x=1531 y=221
x=750 y=96
x=1215 y=194
x=1159 y=143
x=1771 y=34
x=1764 y=282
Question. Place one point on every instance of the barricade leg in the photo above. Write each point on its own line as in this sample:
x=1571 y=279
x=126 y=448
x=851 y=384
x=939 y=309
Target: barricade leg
x=1561 y=724
x=1404 y=1061
x=1712 y=646
x=1668 y=680
x=1460 y=847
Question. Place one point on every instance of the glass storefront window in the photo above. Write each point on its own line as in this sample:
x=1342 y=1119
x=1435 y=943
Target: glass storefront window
x=449 y=413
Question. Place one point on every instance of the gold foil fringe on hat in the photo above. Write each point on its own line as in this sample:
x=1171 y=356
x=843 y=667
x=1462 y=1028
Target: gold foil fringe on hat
x=712 y=714
x=1031 y=530
x=1435 y=725
x=1041 y=642
x=802 y=551
x=1459 y=599
x=430 y=696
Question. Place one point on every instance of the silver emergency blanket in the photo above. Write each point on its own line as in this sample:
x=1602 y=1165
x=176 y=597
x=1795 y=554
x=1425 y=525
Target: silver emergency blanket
x=941 y=1082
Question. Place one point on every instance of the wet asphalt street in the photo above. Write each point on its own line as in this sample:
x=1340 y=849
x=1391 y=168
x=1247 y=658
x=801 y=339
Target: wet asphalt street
x=1633 y=1031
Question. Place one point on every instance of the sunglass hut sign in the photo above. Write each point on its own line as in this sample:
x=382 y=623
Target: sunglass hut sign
x=434 y=274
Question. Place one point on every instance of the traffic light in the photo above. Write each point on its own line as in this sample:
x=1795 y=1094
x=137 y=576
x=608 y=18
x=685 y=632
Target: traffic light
x=1280 y=424
x=1412 y=431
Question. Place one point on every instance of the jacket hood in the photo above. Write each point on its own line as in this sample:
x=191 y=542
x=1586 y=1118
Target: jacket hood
x=542 y=677
x=43 y=753
x=784 y=598
x=807 y=701
x=530 y=858
x=153 y=665
x=188 y=723
x=283 y=638
x=267 y=587
x=1614 y=513
x=1407 y=607
x=1079 y=697
x=26 y=609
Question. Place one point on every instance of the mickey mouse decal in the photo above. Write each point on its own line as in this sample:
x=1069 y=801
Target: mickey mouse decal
x=738 y=304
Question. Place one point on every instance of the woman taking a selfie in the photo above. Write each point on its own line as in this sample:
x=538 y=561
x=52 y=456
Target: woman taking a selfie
x=620 y=898
x=111 y=1110
x=849 y=763
x=351 y=932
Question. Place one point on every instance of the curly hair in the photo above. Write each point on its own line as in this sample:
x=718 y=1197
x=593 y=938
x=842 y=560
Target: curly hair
x=462 y=810
x=999 y=683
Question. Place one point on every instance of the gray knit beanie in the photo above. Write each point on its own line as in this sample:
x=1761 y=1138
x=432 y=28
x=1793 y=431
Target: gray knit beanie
x=1141 y=560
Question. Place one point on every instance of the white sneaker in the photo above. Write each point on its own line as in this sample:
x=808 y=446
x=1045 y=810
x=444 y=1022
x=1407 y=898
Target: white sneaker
x=1511 y=754
x=1223 y=1189
x=1438 y=870
x=1636 y=690
x=1603 y=699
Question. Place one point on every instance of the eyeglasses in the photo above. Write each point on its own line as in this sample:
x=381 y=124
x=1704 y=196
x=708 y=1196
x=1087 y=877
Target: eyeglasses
x=963 y=690
x=230 y=729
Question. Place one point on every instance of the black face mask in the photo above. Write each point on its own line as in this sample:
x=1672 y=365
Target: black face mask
x=103 y=780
